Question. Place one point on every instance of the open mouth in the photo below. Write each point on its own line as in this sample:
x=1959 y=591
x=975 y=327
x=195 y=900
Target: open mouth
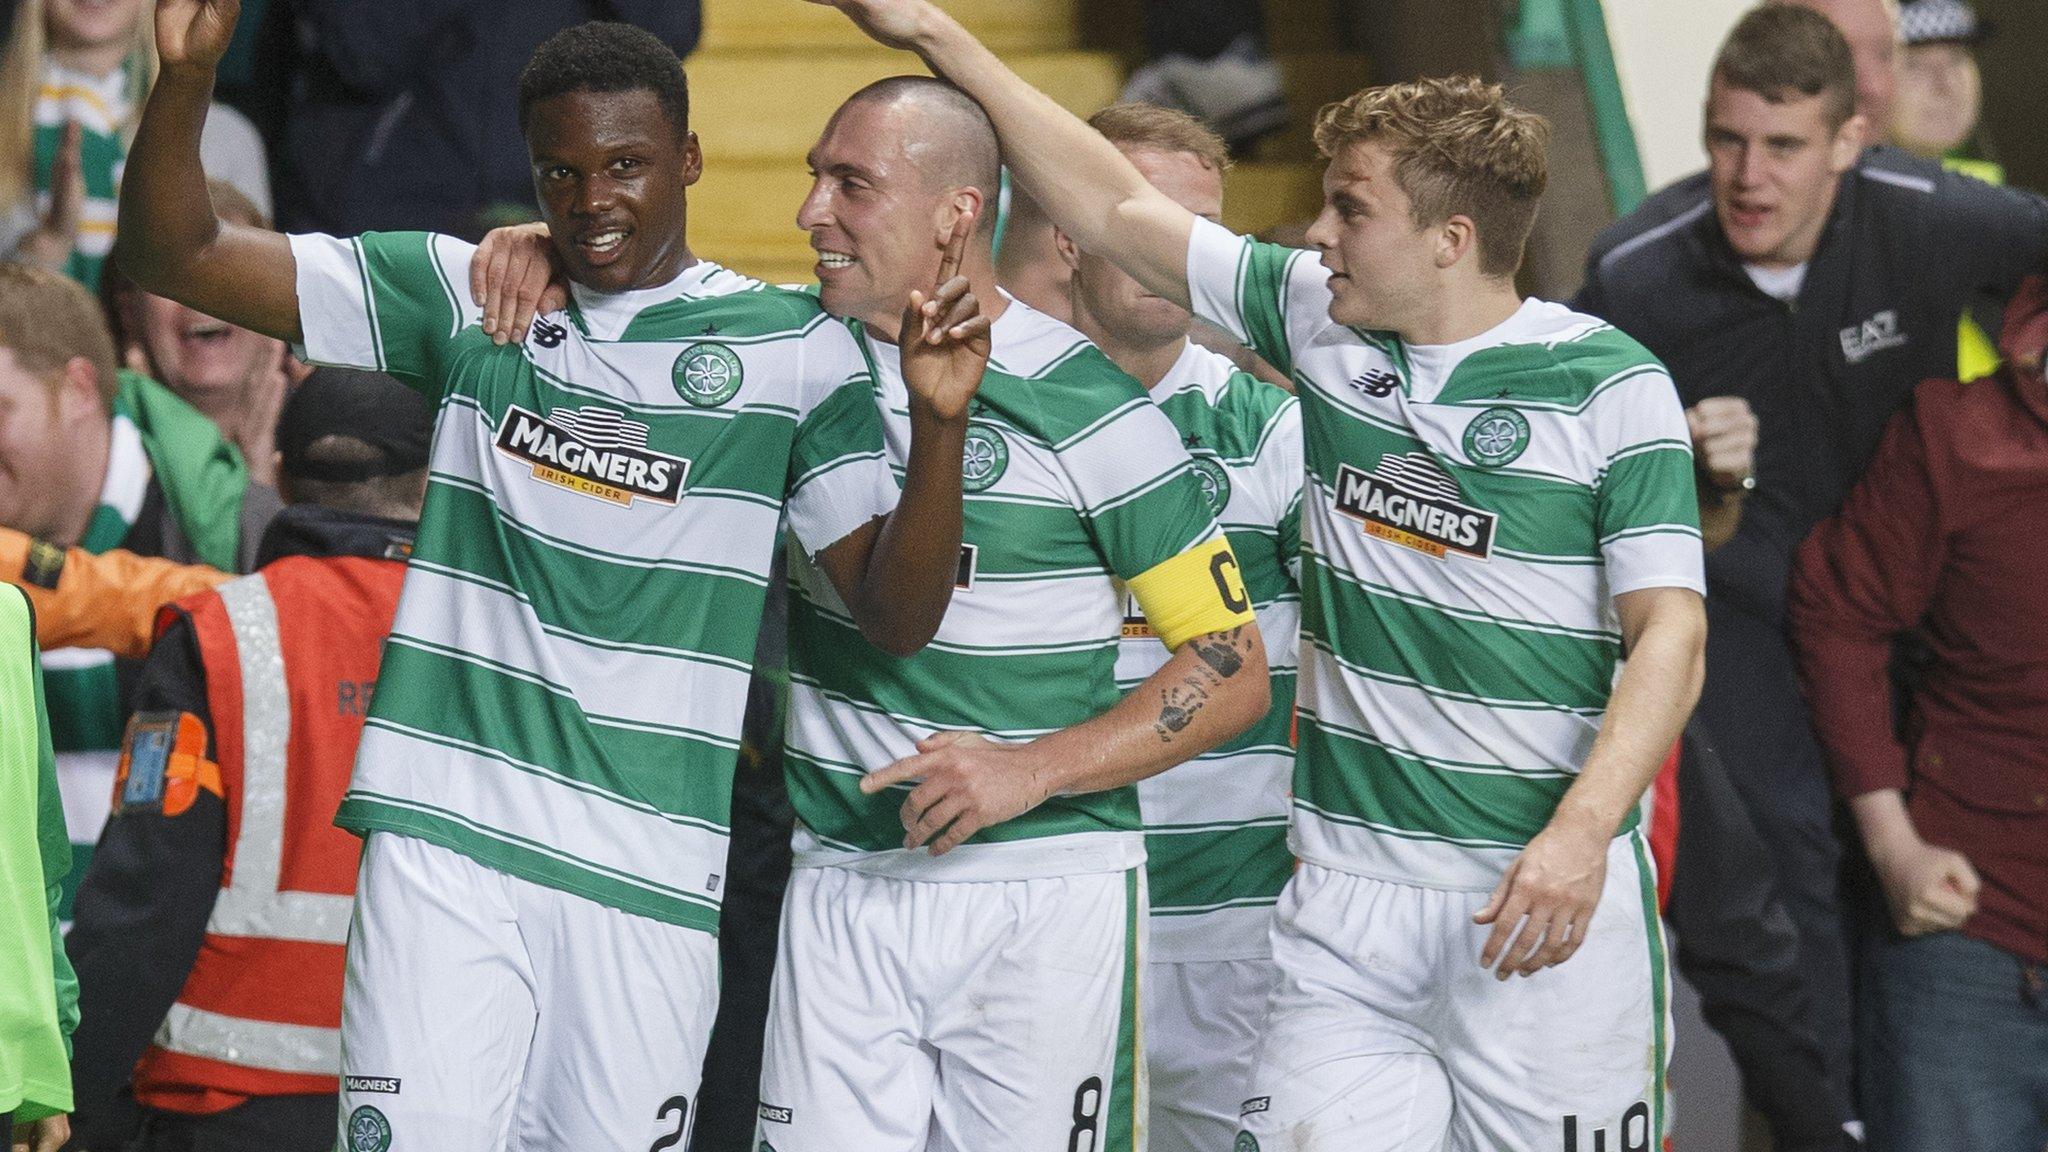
x=834 y=260
x=602 y=247
x=1747 y=215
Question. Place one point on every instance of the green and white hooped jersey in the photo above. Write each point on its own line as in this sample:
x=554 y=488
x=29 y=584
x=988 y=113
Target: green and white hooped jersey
x=1470 y=512
x=1216 y=827
x=1073 y=480
x=86 y=718
x=101 y=106
x=562 y=691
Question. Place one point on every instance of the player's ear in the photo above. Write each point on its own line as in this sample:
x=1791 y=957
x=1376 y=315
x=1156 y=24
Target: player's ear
x=1454 y=238
x=957 y=203
x=1068 y=250
x=693 y=159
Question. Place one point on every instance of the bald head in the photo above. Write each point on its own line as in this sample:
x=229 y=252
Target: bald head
x=949 y=139
x=1872 y=29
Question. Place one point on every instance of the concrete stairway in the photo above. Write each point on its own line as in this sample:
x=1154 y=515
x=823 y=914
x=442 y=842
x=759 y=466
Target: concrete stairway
x=769 y=73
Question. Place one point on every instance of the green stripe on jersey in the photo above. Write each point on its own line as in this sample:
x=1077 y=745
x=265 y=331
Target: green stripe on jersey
x=1229 y=850
x=1557 y=435
x=1197 y=871
x=596 y=540
x=1073 y=478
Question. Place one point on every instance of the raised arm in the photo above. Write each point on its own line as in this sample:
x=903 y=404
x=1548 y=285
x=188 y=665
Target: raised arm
x=169 y=240
x=896 y=575
x=1085 y=185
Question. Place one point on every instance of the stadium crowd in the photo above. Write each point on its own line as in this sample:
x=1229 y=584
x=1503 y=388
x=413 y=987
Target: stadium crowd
x=486 y=676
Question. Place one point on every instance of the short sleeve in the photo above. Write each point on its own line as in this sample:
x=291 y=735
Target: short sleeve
x=1271 y=297
x=383 y=301
x=1136 y=486
x=839 y=477
x=1646 y=504
x=1281 y=467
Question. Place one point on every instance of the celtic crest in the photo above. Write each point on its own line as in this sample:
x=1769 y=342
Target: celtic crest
x=1496 y=436
x=368 y=1131
x=707 y=375
x=1215 y=480
x=983 y=459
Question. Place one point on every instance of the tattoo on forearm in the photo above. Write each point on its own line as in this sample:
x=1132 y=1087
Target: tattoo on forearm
x=1178 y=706
x=1221 y=653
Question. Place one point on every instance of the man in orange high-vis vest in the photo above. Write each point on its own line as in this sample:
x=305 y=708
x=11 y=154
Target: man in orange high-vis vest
x=211 y=924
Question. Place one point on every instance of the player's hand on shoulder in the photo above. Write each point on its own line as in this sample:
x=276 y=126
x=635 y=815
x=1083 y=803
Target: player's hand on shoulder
x=893 y=22
x=966 y=783
x=192 y=35
x=513 y=277
x=1542 y=907
x=944 y=337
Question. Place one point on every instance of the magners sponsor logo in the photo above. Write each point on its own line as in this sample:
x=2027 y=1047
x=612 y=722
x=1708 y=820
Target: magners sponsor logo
x=1410 y=501
x=594 y=451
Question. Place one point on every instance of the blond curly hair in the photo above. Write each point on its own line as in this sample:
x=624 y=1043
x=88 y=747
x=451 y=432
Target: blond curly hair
x=1459 y=149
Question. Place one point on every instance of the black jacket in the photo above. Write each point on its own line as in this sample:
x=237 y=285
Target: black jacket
x=403 y=113
x=146 y=897
x=1908 y=247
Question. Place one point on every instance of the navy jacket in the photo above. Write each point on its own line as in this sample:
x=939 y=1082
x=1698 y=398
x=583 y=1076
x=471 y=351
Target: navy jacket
x=1908 y=247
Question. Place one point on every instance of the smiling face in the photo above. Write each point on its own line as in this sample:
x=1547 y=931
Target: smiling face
x=609 y=169
x=1939 y=96
x=1774 y=167
x=75 y=26
x=207 y=362
x=45 y=457
x=875 y=214
x=30 y=447
x=1120 y=304
x=1382 y=264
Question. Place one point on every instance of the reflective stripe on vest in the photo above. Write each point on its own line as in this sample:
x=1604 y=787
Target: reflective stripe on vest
x=251 y=904
x=251 y=1043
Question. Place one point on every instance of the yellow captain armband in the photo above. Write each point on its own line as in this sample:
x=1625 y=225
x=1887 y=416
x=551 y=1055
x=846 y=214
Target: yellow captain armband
x=1197 y=592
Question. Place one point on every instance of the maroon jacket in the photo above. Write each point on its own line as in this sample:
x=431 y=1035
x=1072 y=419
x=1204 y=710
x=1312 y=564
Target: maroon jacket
x=1948 y=533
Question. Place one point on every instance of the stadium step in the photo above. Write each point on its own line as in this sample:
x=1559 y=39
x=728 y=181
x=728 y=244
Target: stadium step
x=759 y=105
x=1007 y=26
x=770 y=73
x=1311 y=80
x=751 y=105
x=1261 y=196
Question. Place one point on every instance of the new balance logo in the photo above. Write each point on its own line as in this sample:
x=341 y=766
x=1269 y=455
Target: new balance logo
x=1376 y=383
x=548 y=334
x=1862 y=341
